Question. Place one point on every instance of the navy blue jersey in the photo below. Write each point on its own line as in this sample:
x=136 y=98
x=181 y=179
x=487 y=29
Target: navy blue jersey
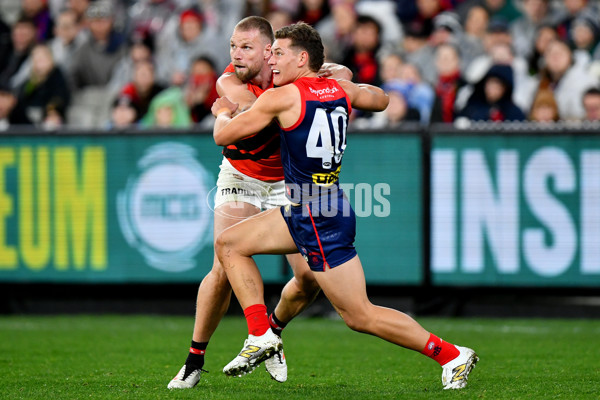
x=312 y=148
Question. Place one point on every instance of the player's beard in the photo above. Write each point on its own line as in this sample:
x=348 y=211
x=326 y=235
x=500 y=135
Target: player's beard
x=248 y=74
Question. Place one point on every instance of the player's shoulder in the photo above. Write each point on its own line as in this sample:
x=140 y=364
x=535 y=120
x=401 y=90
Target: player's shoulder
x=230 y=79
x=281 y=96
x=284 y=91
x=229 y=83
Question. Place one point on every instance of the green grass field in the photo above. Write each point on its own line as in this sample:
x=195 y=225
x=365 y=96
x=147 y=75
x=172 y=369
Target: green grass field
x=134 y=357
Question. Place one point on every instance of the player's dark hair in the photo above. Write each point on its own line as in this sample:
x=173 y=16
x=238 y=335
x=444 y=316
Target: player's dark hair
x=259 y=23
x=305 y=37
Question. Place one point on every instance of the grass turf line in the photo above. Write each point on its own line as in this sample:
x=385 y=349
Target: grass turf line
x=134 y=357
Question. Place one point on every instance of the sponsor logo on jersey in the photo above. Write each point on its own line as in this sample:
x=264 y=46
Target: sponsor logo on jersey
x=163 y=210
x=327 y=92
x=327 y=178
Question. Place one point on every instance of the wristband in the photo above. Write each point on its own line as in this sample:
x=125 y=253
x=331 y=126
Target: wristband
x=223 y=110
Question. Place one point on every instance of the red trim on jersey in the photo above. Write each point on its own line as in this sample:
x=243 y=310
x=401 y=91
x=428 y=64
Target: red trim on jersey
x=318 y=238
x=266 y=169
x=307 y=95
x=229 y=68
x=349 y=103
x=302 y=111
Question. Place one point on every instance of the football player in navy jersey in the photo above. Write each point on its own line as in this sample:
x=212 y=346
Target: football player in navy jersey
x=250 y=180
x=312 y=114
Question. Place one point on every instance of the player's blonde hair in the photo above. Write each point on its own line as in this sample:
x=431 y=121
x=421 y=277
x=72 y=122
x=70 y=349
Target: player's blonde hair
x=259 y=23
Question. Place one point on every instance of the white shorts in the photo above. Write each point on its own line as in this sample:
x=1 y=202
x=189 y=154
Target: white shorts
x=234 y=186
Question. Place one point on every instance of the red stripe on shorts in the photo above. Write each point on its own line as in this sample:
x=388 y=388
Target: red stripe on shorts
x=318 y=239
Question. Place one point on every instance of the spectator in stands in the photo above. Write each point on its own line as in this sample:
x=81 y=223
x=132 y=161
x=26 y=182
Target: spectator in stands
x=39 y=13
x=544 y=108
x=68 y=38
x=399 y=110
x=201 y=91
x=143 y=88
x=568 y=80
x=492 y=98
x=312 y=11
x=5 y=43
x=390 y=67
x=544 y=35
x=151 y=16
x=178 y=46
x=94 y=61
x=79 y=7
x=279 y=17
x=535 y=14
x=419 y=95
x=502 y=53
x=476 y=25
x=418 y=53
x=504 y=9
x=384 y=11
x=336 y=30
x=53 y=118
x=23 y=39
x=168 y=110
x=476 y=22
x=585 y=34
x=255 y=7
x=447 y=29
x=406 y=11
x=497 y=32
x=591 y=104
x=124 y=114
x=450 y=81
x=427 y=10
x=569 y=11
x=361 y=57
x=10 y=114
x=141 y=49
x=46 y=88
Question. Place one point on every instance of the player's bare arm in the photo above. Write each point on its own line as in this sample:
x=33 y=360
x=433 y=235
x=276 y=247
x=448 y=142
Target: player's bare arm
x=365 y=97
x=234 y=89
x=281 y=103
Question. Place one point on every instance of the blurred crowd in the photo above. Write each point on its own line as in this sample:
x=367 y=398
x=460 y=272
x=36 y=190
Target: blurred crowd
x=115 y=64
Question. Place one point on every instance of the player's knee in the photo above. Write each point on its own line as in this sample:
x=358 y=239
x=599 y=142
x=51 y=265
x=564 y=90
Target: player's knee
x=357 y=321
x=222 y=245
x=307 y=283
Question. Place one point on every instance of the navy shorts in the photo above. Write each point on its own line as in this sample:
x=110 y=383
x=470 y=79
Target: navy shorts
x=323 y=230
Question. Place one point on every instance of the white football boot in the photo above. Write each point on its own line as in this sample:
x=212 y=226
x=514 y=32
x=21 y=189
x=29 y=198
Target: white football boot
x=256 y=350
x=456 y=372
x=277 y=367
x=181 y=381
